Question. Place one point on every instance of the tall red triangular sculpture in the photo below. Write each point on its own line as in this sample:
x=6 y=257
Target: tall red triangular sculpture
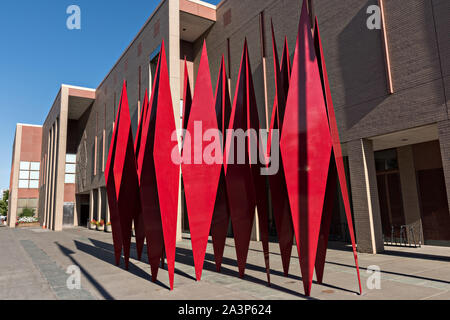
x=280 y=199
x=246 y=187
x=151 y=212
x=112 y=196
x=200 y=176
x=138 y=218
x=336 y=170
x=306 y=148
x=159 y=174
x=122 y=179
x=221 y=216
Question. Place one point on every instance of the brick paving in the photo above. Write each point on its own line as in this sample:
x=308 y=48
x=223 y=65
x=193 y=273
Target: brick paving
x=33 y=265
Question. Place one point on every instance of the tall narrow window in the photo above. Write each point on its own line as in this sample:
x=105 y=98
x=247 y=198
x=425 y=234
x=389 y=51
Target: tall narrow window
x=96 y=144
x=154 y=56
x=312 y=14
x=139 y=83
x=114 y=117
x=229 y=57
x=264 y=64
x=71 y=160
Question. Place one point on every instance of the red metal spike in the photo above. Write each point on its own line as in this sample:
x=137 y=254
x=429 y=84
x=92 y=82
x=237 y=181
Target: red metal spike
x=138 y=218
x=339 y=162
x=125 y=175
x=221 y=216
x=167 y=172
x=259 y=181
x=201 y=178
x=240 y=190
x=158 y=175
x=280 y=200
x=112 y=197
x=306 y=149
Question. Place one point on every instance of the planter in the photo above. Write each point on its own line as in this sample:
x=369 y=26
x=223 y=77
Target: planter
x=108 y=229
x=92 y=226
x=101 y=228
x=28 y=225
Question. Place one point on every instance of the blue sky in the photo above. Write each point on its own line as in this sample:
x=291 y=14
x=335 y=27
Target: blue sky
x=38 y=53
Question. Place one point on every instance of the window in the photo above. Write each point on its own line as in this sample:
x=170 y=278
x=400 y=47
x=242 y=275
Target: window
x=29 y=175
x=31 y=204
x=70 y=171
x=386 y=160
x=154 y=57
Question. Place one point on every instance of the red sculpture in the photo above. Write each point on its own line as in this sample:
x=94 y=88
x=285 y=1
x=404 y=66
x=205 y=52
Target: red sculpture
x=125 y=192
x=147 y=181
x=336 y=168
x=158 y=174
x=221 y=215
x=200 y=177
x=306 y=149
x=245 y=185
x=143 y=179
x=280 y=199
x=112 y=197
x=138 y=218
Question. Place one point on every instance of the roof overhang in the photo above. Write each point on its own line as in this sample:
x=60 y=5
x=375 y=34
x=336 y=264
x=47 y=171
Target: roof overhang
x=80 y=99
x=196 y=17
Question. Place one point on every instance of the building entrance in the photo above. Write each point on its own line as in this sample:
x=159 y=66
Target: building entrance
x=390 y=194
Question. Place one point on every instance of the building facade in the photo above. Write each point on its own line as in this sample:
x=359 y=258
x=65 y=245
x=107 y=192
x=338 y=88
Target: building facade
x=390 y=87
x=25 y=172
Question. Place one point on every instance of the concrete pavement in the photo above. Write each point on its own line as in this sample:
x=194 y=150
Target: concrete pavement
x=33 y=265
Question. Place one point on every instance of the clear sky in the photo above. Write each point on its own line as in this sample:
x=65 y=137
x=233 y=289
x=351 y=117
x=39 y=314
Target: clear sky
x=38 y=54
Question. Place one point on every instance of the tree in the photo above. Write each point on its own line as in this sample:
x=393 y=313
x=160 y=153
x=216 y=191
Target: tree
x=4 y=204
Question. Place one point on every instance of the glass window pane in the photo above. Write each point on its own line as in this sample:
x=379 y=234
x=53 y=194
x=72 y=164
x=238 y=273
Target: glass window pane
x=34 y=184
x=70 y=168
x=23 y=184
x=24 y=165
x=71 y=158
x=24 y=175
x=70 y=178
x=34 y=175
x=35 y=166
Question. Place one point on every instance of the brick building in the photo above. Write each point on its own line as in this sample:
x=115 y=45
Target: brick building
x=390 y=88
x=25 y=171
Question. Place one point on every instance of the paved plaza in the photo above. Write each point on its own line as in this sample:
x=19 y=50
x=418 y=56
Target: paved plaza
x=33 y=264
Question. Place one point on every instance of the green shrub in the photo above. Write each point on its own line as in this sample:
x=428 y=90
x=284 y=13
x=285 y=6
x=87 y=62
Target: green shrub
x=27 y=212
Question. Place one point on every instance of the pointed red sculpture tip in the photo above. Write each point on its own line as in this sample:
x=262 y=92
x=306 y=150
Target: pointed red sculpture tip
x=200 y=179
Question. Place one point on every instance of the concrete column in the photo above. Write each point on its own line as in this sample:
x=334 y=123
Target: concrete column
x=99 y=204
x=255 y=236
x=173 y=51
x=108 y=213
x=410 y=195
x=91 y=205
x=60 y=158
x=366 y=205
x=14 y=192
x=444 y=140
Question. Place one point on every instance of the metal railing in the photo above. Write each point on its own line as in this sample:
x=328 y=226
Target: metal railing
x=405 y=235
